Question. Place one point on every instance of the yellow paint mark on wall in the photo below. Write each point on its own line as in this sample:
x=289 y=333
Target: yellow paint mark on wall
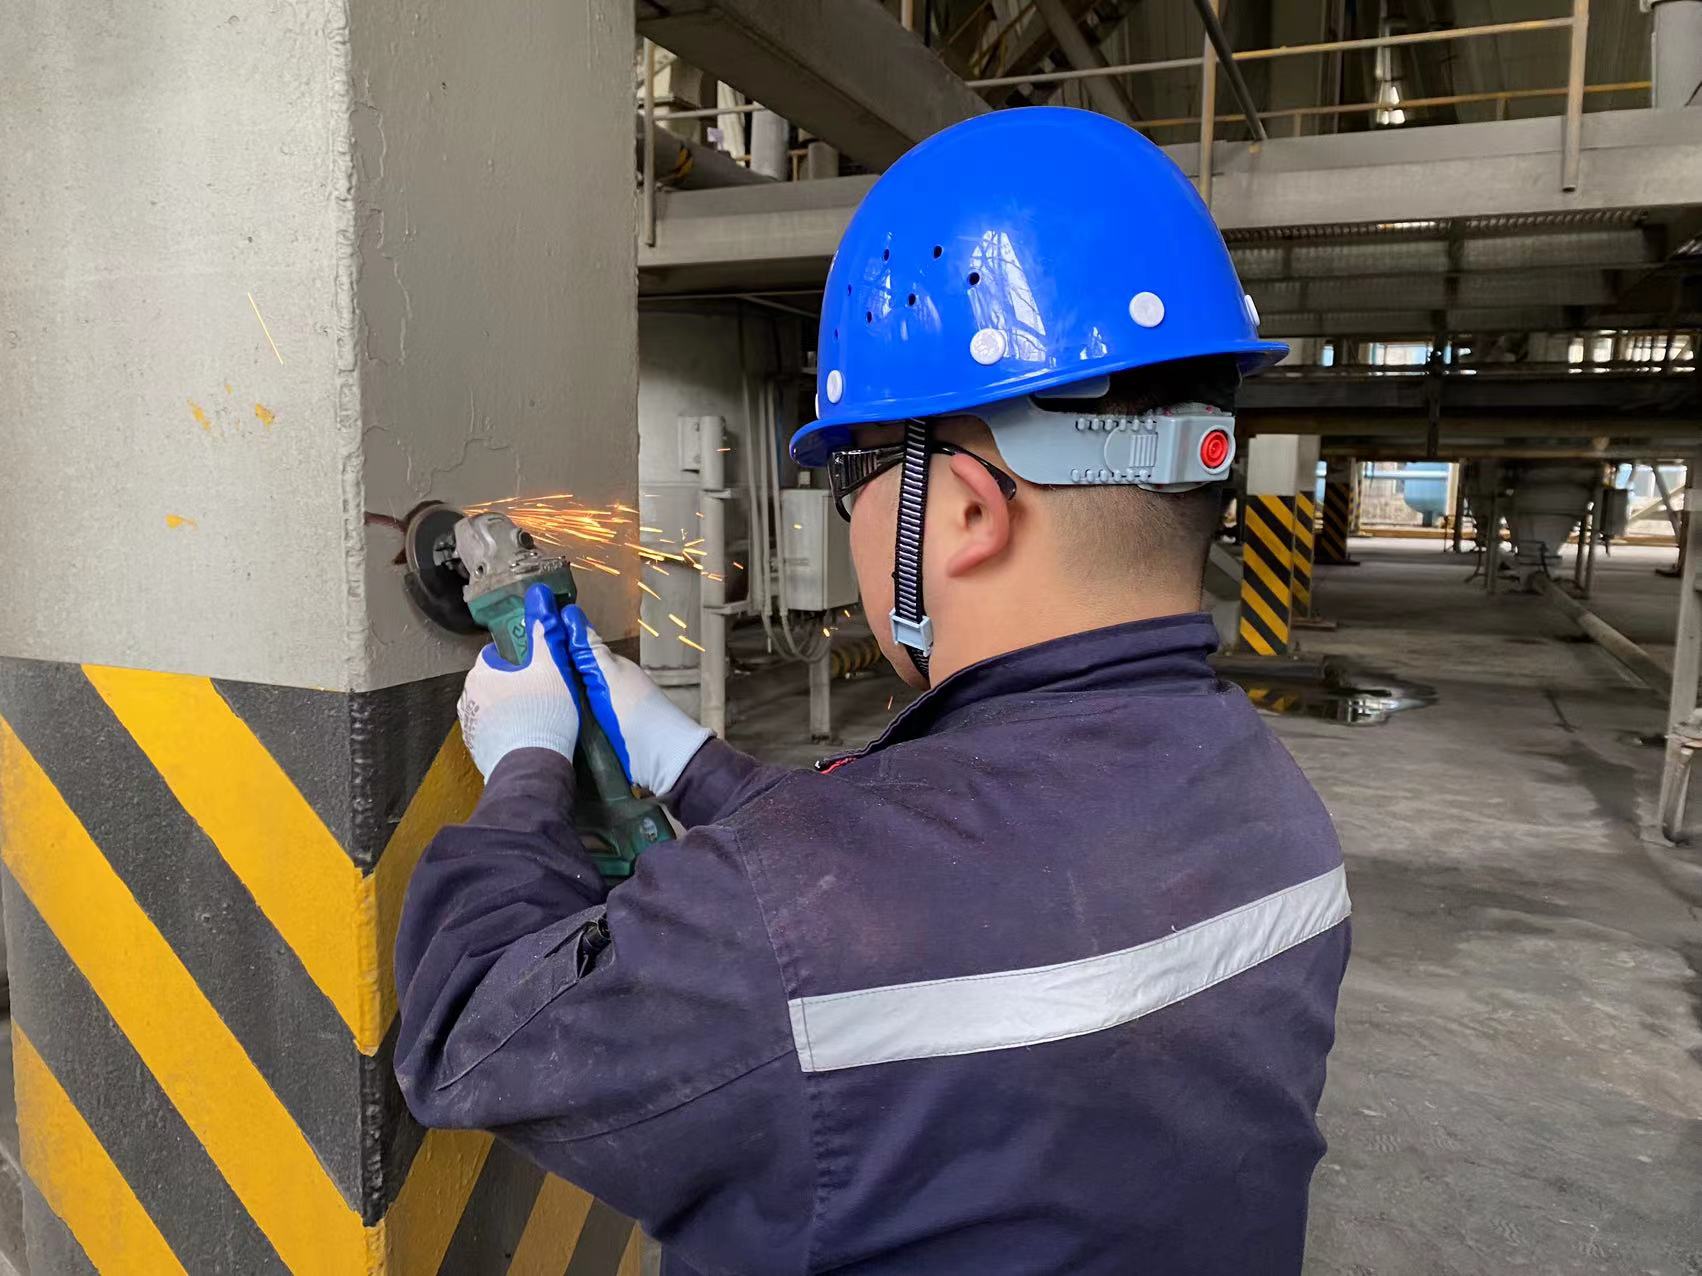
x=200 y=415
x=77 y=1178
x=180 y=520
x=228 y=390
x=266 y=415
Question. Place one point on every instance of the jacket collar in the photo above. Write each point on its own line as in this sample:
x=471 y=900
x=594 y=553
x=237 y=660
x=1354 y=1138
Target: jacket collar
x=1168 y=654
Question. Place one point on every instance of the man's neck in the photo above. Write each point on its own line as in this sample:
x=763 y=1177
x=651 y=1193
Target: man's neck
x=981 y=633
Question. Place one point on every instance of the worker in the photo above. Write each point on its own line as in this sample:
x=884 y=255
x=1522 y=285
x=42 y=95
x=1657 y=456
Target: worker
x=1042 y=980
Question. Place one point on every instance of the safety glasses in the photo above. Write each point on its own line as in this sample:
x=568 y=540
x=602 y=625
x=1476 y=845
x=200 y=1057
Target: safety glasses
x=849 y=468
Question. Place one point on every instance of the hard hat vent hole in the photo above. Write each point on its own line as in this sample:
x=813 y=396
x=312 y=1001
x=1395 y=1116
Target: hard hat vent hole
x=912 y=300
x=836 y=334
x=974 y=278
x=886 y=254
x=868 y=316
x=847 y=290
x=937 y=251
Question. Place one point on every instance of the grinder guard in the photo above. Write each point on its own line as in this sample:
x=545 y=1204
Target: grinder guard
x=470 y=574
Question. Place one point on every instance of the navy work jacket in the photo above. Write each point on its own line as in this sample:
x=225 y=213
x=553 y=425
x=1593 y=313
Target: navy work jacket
x=1042 y=981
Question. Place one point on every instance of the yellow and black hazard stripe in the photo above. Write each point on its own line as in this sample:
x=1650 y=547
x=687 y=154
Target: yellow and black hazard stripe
x=1267 y=585
x=1305 y=521
x=202 y=884
x=1338 y=519
x=1273 y=700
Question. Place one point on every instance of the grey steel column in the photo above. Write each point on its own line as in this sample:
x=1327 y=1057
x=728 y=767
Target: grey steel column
x=1686 y=667
x=1492 y=547
x=821 y=695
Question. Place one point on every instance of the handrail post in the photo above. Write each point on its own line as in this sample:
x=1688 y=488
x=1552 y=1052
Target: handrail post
x=649 y=143
x=1572 y=158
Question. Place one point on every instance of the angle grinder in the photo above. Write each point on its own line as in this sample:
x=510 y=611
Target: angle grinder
x=469 y=573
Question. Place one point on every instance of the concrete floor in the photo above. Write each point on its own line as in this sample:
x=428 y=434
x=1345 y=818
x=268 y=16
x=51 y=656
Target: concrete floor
x=1517 y=1083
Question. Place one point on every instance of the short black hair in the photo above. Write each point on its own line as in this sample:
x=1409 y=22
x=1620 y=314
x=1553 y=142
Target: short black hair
x=1156 y=532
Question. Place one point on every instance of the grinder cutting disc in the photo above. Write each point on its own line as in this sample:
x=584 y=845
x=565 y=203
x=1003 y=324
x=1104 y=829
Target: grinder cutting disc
x=435 y=578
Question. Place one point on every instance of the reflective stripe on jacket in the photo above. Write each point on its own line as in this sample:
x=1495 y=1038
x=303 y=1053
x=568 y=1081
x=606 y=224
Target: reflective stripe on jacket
x=1042 y=981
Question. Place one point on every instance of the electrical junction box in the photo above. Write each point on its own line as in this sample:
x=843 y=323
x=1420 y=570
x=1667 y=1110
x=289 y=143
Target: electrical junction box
x=815 y=551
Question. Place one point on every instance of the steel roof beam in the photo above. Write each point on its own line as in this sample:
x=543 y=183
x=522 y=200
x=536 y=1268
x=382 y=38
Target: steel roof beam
x=845 y=70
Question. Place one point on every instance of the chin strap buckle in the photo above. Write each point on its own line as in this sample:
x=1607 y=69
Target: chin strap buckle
x=918 y=635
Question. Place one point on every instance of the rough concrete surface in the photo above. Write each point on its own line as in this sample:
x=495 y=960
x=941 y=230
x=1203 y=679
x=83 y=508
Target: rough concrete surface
x=498 y=331
x=167 y=478
x=1517 y=1082
x=265 y=268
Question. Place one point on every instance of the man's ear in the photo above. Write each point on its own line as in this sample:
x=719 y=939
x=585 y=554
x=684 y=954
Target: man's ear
x=980 y=516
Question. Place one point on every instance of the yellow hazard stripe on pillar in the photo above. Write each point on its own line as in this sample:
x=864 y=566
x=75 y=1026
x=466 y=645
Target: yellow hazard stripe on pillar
x=158 y=1006
x=1254 y=641
x=446 y=795
x=1269 y=525
x=77 y=1178
x=274 y=842
x=1266 y=570
x=552 y=1228
x=1304 y=514
x=422 y=1222
x=1267 y=580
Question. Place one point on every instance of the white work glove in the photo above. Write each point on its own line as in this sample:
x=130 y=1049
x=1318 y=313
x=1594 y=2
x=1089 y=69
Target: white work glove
x=653 y=737
x=506 y=707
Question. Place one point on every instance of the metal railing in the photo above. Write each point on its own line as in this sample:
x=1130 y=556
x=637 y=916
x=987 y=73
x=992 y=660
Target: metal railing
x=1216 y=51
x=1577 y=25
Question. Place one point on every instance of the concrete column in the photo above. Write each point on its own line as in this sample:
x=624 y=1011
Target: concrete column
x=1675 y=52
x=272 y=277
x=1275 y=466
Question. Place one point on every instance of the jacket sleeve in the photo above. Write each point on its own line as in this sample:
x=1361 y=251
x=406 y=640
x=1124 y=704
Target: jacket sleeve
x=635 y=1041
x=718 y=781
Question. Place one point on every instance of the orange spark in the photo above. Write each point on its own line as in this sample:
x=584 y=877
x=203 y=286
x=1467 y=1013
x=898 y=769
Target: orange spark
x=650 y=591
x=676 y=620
x=688 y=642
x=656 y=567
x=647 y=629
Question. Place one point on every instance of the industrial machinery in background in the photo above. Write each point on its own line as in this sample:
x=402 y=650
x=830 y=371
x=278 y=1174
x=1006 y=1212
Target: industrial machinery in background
x=1542 y=504
x=767 y=547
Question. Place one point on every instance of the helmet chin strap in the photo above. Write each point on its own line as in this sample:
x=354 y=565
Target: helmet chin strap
x=911 y=627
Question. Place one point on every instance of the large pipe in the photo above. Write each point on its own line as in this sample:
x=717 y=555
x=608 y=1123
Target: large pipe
x=1675 y=52
x=769 y=145
x=1226 y=56
x=686 y=165
x=1647 y=669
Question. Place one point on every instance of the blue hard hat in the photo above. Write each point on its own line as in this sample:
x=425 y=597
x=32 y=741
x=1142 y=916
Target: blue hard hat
x=1015 y=252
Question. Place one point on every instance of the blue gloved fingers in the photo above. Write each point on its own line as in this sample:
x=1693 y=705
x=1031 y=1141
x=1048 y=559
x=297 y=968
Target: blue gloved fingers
x=582 y=652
